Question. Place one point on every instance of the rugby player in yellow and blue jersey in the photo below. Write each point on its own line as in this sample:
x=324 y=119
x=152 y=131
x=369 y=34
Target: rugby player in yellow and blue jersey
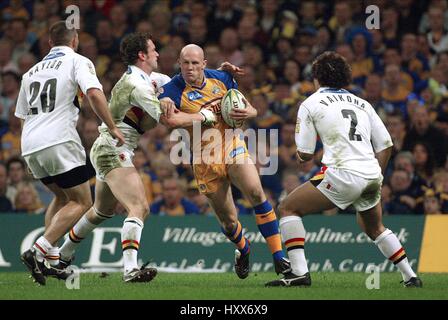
x=197 y=89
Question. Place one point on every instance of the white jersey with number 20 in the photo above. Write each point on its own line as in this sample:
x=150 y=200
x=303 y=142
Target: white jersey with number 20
x=47 y=98
x=349 y=128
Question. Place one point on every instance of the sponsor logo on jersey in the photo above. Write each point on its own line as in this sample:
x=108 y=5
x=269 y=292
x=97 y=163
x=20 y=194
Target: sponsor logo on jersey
x=236 y=152
x=194 y=95
x=91 y=68
x=122 y=156
x=214 y=106
x=215 y=90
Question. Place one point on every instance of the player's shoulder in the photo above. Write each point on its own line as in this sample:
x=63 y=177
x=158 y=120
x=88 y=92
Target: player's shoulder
x=360 y=102
x=160 y=78
x=134 y=76
x=364 y=102
x=26 y=75
x=79 y=57
x=177 y=81
x=367 y=106
x=81 y=61
x=130 y=82
x=223 y=76
x=321 y=93
x=217 y=74
x=311 y=100
x=173 y=89
x=138 y=82
x=135 y=80
x=175 y=86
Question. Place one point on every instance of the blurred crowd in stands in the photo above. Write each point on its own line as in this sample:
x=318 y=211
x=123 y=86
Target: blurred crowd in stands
x=401 y=69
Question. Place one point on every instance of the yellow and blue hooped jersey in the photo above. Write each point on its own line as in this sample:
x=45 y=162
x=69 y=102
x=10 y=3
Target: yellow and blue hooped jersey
x=191 y=99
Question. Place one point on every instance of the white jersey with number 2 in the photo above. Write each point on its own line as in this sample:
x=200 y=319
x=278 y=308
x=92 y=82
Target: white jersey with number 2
x=48 y=98
x=349 y=128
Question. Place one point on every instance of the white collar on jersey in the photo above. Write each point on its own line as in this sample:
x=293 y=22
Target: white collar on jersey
x=142 y=73
x=61 y=48
x=331 y=90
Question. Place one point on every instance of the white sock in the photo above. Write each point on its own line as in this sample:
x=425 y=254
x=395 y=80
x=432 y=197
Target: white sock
x=53 y=256
x=79 y=231
x=392 y=249
x=293 y=235
x=41 y=246
x=130 y=242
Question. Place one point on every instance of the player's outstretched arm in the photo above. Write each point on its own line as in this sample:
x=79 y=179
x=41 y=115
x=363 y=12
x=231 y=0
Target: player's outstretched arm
x=99 y=105
x=181 y=119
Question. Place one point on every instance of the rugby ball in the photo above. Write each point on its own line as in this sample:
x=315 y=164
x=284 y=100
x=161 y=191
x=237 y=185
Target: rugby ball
x=232 y=99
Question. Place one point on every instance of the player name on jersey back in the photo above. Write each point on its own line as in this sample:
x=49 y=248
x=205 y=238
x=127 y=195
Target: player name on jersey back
x=349 y=98
x=55 y=64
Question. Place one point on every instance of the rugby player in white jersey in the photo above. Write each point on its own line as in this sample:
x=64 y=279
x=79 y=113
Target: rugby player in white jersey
x=51 y=146
x=357 y=148
x=135 y=109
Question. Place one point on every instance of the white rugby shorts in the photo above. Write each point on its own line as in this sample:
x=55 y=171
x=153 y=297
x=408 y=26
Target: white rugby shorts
x=56 y=159
x=344 y=188
x=105 y=156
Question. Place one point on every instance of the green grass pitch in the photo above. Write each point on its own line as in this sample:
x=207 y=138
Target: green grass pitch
x=225 y=286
